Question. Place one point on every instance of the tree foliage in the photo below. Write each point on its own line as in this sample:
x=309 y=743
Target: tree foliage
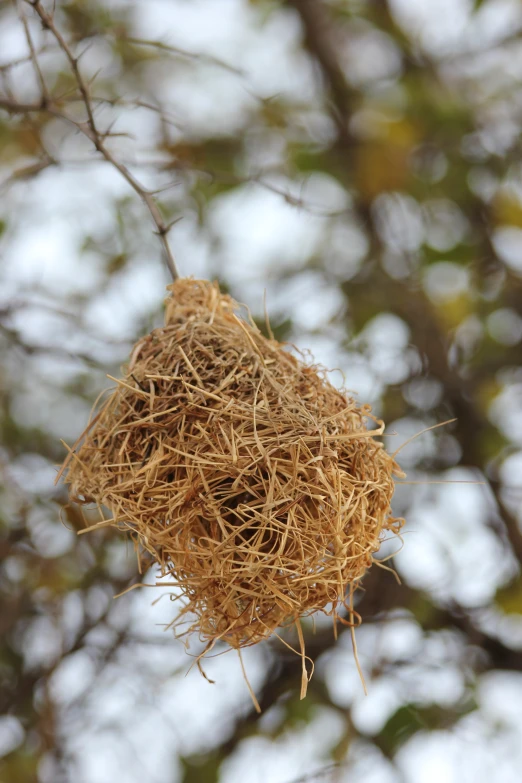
x=359 y=160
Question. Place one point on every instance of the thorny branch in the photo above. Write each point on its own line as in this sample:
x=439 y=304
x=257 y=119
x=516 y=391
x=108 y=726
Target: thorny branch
x=176 y=50
x=89 y=128
x=54 y=106
x=261 y=179
x=34 y=58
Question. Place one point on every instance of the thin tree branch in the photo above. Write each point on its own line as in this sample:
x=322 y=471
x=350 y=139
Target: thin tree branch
x=34 y=59
x=15 y=107
x=91 y=131
x=161 y=46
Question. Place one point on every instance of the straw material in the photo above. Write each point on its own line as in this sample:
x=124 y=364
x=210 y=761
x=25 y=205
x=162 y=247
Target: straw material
x=250 y=479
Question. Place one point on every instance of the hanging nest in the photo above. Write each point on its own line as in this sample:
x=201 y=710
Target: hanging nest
x=247 y=476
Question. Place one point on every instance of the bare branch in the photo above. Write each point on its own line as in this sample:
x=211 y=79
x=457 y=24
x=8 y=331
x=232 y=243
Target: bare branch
x=14 y=107
x=58 y=352
x=184 y=53
x=90 y=129
x=34 y=59
x=28 y=172
x=4 y=67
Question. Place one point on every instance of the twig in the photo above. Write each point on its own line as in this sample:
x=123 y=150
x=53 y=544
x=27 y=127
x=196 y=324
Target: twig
x=29 y=171
x=14 y=107
x=318 y=774
x=34 y=59
x=91 y=131
x=183 y=53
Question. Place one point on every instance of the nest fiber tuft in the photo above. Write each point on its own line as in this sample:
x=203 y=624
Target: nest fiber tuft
x=249 y=478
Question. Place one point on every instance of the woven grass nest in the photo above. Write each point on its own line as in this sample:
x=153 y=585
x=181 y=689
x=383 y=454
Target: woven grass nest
x=248 y=477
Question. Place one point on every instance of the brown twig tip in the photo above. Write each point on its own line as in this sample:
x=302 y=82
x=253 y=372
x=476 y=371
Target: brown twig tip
x=251 y=480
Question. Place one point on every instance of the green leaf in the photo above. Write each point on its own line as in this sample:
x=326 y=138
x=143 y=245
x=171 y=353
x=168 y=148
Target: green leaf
x=89 y=19
x=424 y=611
x=411 y=718
x=462 y=254
x=402 y=725
x=18 y=767
x=201 y=769
x=280 y=330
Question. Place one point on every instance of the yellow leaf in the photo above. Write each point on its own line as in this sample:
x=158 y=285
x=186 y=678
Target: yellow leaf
x=383 y=164
x=452 y=312
x=509 y=598
x=507 y=208
x=485 y=393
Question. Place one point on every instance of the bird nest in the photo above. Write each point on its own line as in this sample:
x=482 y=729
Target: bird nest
x=252 y=481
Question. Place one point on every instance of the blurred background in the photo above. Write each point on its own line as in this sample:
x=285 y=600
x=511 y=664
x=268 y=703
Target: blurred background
x=360 y=161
